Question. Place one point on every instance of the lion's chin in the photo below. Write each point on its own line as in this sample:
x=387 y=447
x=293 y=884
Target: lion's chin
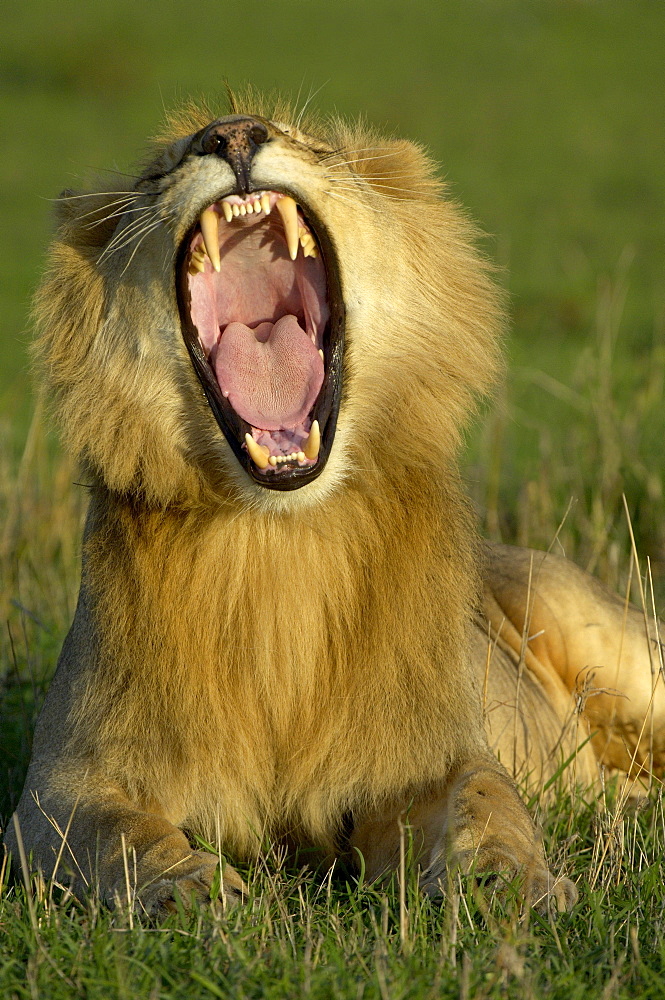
x=262 y=318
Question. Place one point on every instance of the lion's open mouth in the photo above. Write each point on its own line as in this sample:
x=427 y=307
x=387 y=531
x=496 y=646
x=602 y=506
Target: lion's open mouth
x=262 y=319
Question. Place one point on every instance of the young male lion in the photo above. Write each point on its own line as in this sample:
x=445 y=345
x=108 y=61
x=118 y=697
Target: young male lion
x=264 y=352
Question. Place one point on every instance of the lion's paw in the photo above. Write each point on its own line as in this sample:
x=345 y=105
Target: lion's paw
x=547 y=894
x=500 y=868
x=191 y=880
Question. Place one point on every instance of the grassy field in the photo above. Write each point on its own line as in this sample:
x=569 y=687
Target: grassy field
x=547 y=118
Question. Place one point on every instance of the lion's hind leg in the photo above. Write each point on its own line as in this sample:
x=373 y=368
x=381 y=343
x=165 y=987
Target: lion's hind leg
x=587 y=641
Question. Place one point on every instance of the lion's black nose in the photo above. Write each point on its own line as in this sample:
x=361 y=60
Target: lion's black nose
x=235 y=139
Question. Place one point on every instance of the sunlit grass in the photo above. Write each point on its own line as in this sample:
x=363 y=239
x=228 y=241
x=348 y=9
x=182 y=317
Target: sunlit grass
x=324 y=935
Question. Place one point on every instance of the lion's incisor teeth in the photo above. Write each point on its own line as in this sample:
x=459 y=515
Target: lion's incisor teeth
x=288 y=210
x=210 y=233
x=227 y=210
x=258 y=453
x=313 y=442
x=265 y=203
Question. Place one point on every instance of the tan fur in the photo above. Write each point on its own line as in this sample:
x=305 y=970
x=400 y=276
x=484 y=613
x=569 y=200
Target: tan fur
x=245 y=663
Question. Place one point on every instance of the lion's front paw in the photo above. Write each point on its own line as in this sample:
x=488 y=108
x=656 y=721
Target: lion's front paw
x=546 y=893
x=499 y=867
x=195 y=878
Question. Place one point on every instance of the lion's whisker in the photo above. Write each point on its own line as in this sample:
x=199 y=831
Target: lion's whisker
x=111 y=251
x=125 y=200
x=98 y=194
x=368 y=177
x=312 y=95
x=379 y=181
x=129 y=232
x=136 y=248
x=124 y=209
x=140 y=238
x=351 y=153
x=348 y=201
x=118 y=173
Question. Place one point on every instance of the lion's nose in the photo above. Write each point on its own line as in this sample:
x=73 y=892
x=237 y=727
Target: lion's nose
x=235 y=139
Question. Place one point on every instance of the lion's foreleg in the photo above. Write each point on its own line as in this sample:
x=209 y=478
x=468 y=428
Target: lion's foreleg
x=102 y=842
x=476 y=823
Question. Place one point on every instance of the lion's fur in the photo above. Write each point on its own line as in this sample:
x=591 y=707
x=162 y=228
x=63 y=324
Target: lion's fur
x=244 y=662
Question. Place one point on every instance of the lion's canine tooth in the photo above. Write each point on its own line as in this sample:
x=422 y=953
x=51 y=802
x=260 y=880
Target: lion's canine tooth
x=321 y=355
x=265 y=203
x=313 y=443
x=288 y=210
x=210 y=233
x=257 y=452
x=227 y=210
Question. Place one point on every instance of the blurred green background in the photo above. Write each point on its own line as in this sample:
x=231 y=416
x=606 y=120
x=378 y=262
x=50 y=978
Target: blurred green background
x=548 y=117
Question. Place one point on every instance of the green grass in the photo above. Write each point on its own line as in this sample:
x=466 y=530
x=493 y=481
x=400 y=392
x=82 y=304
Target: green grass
x=324 y=935
x=547 y=119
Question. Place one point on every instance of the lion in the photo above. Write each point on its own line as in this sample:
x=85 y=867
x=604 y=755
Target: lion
x=264 y=353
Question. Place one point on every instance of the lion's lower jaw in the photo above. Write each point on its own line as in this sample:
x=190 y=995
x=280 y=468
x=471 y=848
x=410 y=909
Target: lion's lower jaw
x=340 y=467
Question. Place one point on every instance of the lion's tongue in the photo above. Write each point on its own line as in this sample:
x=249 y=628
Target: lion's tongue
x=270 y=375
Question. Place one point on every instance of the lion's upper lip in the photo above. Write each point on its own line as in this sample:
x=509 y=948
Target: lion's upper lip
x=262 y=320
